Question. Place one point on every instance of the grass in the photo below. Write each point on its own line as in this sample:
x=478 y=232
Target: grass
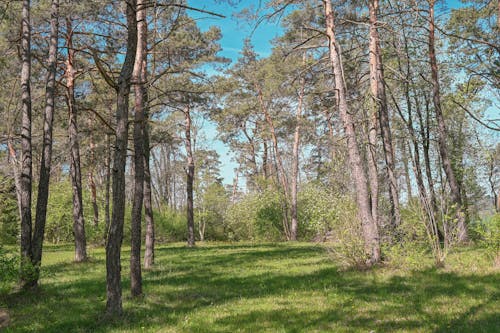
x=261 y=288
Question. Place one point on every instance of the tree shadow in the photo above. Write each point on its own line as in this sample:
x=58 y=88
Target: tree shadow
x=188 y=281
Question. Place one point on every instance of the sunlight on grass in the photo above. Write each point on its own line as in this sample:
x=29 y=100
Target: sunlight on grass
x=247 y=287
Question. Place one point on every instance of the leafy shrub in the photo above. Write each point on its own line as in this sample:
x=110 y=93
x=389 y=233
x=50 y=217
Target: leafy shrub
x=9 y=264
x=170 y=225
x=257 y=216
x=9 y=216
x=489 y=236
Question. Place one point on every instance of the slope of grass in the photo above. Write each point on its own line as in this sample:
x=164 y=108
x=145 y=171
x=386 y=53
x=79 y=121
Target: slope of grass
x=261 y=288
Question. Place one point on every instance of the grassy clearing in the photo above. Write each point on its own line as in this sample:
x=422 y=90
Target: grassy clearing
x=262 y=288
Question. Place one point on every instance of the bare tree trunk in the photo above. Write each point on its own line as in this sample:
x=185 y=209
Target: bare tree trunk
x=149 y=253
x=377 y=80
x=456 y=195
x=107 y=187
x=370 y=228
x=92 y=185
x=115 y=235
x=139 y=79
x=26 y=148
x=295 y=164
x=75 y=168
x=43 y=184
x=189 y=178
x=405 y=157
x=265 y=160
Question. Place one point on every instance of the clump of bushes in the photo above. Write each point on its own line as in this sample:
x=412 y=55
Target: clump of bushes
x=488 y=235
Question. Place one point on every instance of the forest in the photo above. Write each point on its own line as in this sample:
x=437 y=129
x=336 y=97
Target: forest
x=337 y=171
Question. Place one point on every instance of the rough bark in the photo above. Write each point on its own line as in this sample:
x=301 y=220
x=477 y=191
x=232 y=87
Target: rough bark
x=149 y=253
x=75 y=166
x=456 y=196
x=115 y=233
x=189 y=178
x=139 y=80
x=107 y=185
x=48 y=120
x=91 y=180
x=369 y=227
x=26 y=148
x=377 y=80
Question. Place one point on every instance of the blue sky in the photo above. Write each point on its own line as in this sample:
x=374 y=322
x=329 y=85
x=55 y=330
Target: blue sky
x=234 y=31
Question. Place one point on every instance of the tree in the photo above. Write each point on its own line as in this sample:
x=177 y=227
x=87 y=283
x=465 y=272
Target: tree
x=139 y=79
x=370 y=228
x=115 y=234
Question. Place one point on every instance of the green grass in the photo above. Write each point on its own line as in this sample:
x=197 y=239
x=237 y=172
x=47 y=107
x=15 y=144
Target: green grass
x=261 y=288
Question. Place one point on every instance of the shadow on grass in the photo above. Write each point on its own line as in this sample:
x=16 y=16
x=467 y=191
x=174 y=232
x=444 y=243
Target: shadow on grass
x=189 y=281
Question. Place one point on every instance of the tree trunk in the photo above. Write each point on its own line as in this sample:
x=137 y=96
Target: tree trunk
x=456 y=195
x=189 y=178
x=377 y=80
x=26 y=148
x=149 y=253
x=92 y=185
x=139 y=79
x=107 y=187
x=75 y=168
x=115 y=235
x=43 y=184
x=370 y=228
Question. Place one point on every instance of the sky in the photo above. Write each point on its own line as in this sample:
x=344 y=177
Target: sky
x=234 y=31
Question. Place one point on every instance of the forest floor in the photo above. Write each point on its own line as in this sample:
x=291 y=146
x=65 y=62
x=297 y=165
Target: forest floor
x=221 y=287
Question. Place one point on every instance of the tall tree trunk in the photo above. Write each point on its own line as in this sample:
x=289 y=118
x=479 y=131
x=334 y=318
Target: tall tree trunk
x=377 y=80
x=370 y=228
x=48 y=120
x=75 y=166
x=107 y=185
x=295 y=163
x=115 y=234
x=92 y=185
x=456 y=196
x=149 y=253
x=26 y=148
x=189 y=178
x=139 y=79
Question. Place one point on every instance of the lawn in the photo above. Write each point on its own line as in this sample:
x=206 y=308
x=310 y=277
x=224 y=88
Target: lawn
x=247 y=287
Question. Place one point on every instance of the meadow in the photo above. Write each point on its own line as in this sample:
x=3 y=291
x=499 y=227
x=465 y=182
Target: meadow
x=271 y=287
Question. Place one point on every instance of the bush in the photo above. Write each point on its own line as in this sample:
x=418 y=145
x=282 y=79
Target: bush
x=9 y=269
x=488 y=231
x=9 y=215
x=170 y=225
x=257 y=216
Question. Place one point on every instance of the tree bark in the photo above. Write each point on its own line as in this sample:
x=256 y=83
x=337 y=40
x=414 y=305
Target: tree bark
x=369 y=227
x=139 y=79
x=456 y=196
x=149 y=253
x=26 y=148
x=92 y=185
x=189 y=178
x=377 y=80
x=75 y=166
x=107 y=217
x=43 y=184
x=115 y=234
